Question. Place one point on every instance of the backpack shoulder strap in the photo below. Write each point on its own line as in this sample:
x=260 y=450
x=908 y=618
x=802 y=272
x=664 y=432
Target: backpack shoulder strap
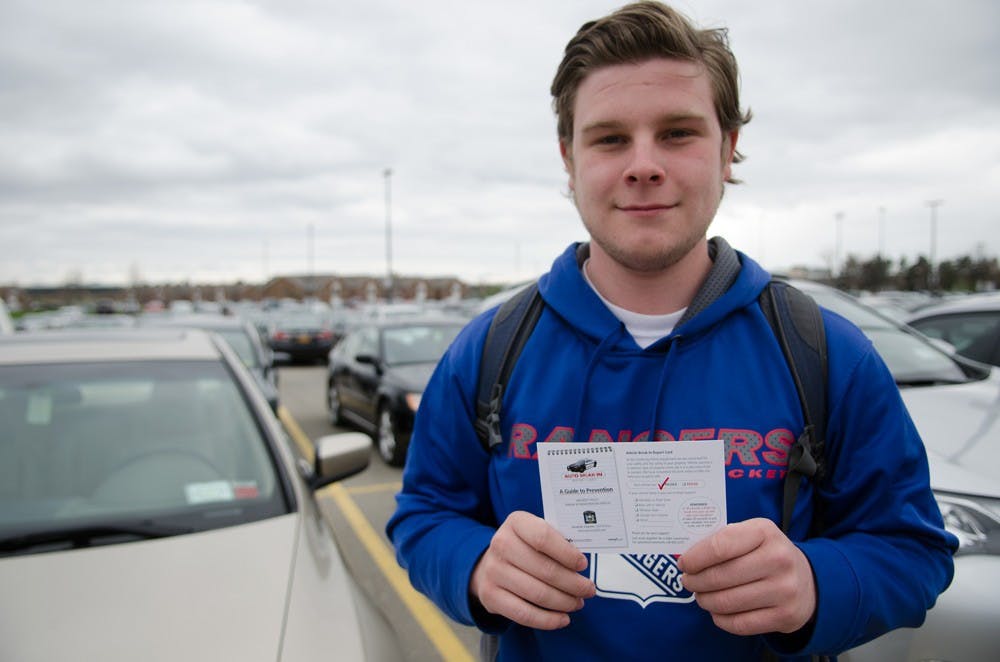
x=797 y=323
x=506 y=337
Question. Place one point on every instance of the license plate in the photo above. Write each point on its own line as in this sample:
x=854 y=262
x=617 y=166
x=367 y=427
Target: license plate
x=305 y=340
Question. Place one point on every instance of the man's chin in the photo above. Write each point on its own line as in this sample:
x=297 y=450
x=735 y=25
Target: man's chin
x=646 y=259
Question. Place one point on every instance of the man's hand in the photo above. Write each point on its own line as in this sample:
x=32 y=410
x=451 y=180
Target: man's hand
x=751 y=578
x=529 y=574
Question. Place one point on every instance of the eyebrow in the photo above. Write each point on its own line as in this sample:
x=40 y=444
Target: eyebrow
x=670 y=118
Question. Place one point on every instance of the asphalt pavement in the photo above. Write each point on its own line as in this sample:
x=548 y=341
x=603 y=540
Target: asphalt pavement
x=358 y=509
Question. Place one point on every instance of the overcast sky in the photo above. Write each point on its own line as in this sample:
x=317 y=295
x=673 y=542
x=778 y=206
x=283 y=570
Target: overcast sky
x=225 y=140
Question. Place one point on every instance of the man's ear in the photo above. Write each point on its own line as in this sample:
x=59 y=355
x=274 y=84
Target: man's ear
x=728 y=153
x=566 y=152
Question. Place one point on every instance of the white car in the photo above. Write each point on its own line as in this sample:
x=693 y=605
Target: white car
x=6 y=323
x=153 y=508
x=955 y=405
x=971 y=324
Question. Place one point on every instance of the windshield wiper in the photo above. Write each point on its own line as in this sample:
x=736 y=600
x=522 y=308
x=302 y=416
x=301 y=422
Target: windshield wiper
x=89 y=535
x=928 y=381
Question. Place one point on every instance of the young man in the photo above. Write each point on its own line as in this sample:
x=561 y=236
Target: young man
x=652 y=332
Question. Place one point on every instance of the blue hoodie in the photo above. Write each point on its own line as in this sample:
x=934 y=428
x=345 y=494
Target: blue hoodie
x=883 y=556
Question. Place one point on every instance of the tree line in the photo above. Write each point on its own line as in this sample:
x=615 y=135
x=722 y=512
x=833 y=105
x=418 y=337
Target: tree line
x=963 y=274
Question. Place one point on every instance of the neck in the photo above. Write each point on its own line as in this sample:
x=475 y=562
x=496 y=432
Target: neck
x=650 y=292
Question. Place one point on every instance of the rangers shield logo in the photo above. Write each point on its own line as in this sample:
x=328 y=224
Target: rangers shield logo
x=643 y=578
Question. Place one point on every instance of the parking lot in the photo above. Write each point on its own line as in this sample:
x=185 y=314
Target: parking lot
x=953 y=403
x=358 y=509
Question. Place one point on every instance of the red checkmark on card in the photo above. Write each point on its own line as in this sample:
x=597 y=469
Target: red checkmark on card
x=664 y=482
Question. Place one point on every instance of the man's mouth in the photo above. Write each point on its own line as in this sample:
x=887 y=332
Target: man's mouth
x=646 y=208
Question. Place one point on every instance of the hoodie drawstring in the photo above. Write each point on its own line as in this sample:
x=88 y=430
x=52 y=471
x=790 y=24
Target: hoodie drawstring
x=659 y=388
x=608 y=340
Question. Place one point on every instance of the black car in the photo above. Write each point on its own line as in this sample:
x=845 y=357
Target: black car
x=304 y=335
x=378 y=372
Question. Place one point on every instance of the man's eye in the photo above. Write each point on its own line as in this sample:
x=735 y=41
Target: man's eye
x=610 y=140
x=677 y=134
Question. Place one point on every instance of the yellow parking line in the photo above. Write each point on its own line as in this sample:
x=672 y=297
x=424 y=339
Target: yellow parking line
x=423 y=610
x=300 y=438
x=394 y=486
x=426 y=614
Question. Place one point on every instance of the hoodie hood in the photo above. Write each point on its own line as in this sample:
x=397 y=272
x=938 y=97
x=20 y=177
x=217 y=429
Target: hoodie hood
x=734 y=282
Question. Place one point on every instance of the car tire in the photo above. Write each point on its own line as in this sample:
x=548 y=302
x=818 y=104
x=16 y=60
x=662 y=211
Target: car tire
x=333 y=404
x=390 y=448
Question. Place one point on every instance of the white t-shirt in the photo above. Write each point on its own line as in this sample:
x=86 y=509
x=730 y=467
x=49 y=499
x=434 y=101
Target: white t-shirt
x=644 y=329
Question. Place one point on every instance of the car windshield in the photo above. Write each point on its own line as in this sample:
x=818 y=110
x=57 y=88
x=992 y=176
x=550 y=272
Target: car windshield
x=112 y=452
x=911 y=359
x=417 y=344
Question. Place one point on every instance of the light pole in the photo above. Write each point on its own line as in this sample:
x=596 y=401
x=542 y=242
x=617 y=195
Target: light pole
x=387 y=173
x=881 y=232
x=839 y=219
x=932 y=276
x=310 y=257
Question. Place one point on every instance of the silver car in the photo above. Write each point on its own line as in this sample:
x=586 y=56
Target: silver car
x=955 y=404
x=153 y=508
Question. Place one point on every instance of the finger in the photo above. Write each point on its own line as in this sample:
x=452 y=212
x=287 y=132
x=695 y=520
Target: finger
x=538 y=592
x=741 y=570
x=516 y=553
x=732 y=541
x=758 y=621
x=737 y=599
x=524 y=613
x=543 y=537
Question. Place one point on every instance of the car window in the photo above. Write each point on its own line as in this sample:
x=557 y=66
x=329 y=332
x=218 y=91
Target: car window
x=163 y=442
x=910 y=358
x=974 y=335
x=367 y=342
x=242 y=345
x=345 y=349
x=417 y=344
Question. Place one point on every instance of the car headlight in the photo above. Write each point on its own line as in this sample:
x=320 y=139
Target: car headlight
x=413 y=401
x=974 y=520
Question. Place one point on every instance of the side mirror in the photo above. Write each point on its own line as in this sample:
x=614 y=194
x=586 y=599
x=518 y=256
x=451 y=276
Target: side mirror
x=370 y=359
x=339 y=456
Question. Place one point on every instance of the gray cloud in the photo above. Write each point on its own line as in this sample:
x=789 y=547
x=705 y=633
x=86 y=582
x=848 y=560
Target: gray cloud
x=190 y=140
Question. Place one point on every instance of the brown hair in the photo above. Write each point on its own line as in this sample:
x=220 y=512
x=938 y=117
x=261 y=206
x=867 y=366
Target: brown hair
x=639 y=32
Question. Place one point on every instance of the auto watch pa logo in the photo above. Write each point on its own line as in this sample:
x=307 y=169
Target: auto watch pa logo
x=642 y=578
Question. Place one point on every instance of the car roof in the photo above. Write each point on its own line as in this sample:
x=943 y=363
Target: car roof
x=414 y=320
x=88 y=345
x=986 y=302
x=195 y=320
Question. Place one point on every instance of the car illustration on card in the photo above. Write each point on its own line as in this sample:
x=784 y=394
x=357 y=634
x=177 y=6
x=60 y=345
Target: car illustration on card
x=581 y=465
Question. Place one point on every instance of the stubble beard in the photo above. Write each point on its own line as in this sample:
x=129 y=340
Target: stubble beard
x=648 y=258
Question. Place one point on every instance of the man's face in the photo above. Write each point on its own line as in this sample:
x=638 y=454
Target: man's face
x=647 y=161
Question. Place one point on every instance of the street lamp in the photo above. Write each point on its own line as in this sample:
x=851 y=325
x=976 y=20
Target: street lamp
x=932 y=276
x=387 y=173
x=311 y=257
x=839 y=218
x=881 y=232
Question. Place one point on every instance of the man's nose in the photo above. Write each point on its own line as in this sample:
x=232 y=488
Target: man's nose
x=644 y=166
